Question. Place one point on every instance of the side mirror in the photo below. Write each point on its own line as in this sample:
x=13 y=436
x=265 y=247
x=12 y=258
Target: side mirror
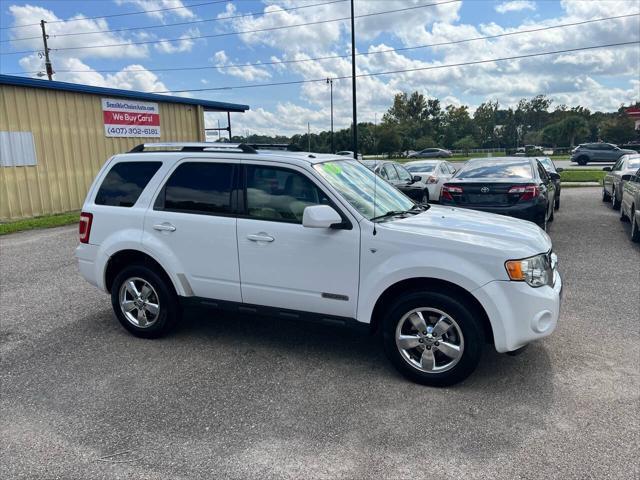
x=626 y=178
x=606 y=169
x=560 y=170
x=416 y=178
x=320 y=216
x=554 y=175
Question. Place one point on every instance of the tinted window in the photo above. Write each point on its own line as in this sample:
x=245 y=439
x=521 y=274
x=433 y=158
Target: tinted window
x=198 y=187
x=547 y=164
x=542 y=172
x=279 y=194
x=499 y=169
x=125 y=182
x=424 y=168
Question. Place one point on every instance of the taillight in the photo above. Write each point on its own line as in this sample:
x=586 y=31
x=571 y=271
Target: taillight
x=84 y=227
x=526 y=192
x=432 y=180
x=449 y=190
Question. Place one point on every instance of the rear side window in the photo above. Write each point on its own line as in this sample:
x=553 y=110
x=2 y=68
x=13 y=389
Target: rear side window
x=198 y=187
x=125 y=182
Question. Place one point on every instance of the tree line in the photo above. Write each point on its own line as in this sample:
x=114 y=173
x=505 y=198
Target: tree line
x=415 y=122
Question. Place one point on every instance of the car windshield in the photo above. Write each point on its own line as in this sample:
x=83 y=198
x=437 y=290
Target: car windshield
x=357 y=185
x=496 y=169
x=425 y=167
x=634 y=163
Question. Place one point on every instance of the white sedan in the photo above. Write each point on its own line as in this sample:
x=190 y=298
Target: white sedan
x=433 y=173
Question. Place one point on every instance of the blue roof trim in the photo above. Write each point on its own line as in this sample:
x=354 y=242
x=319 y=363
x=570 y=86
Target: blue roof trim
x=114 y=92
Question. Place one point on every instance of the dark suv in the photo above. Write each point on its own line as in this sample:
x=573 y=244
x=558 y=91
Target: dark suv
x=598 y=152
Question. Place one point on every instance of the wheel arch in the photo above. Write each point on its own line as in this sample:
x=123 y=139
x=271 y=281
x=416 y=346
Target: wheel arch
x=126 y=257
x=432 y=285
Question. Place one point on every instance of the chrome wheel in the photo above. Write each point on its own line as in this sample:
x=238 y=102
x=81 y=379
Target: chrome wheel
x=139 y=302
x=429 y=340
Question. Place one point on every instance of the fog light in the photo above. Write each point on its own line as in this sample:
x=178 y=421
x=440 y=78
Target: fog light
x=542 y=322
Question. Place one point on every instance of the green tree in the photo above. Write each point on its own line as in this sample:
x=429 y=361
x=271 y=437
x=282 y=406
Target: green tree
x=389 y=140
x=465 y=144
x=619 y=129
x=485 y=120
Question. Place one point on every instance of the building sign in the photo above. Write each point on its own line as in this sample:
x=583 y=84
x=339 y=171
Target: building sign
x=128 y=118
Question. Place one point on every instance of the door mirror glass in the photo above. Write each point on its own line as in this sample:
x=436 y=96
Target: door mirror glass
x=560 y=170
x=416 y=178
x=606 y=169
x=320 y=216
x=554 y=175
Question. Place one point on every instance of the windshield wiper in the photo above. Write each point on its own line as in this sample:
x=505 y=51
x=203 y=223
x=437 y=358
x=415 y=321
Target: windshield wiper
x=393 y=213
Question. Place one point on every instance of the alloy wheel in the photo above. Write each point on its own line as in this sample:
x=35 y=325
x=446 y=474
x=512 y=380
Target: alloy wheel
x=429 y=340
x=139 y=302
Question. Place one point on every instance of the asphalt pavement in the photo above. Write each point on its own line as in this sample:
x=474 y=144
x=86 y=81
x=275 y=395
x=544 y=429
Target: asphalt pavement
x=246 y=397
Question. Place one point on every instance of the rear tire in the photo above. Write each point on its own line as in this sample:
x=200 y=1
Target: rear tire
x=615 y=203
x=623 y=216
x=635 y=228
x=551 y=216
x=144 y=302
x=448 y=348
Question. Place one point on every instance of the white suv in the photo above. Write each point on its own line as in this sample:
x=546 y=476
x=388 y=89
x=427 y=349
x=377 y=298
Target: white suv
x=297 y=235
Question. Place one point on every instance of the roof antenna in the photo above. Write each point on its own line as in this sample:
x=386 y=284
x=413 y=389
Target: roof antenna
x=375 y=191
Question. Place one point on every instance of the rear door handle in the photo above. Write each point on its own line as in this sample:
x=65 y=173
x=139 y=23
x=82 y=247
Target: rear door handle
x=164 y=227
x=261 y=237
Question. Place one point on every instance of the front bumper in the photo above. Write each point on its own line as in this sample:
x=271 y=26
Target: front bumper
x=519 y=313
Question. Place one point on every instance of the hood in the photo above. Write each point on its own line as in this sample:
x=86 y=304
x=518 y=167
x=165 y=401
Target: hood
x=474 y=230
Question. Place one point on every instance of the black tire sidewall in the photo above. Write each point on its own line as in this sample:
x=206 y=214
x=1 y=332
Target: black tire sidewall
x=471 y=331
x=169 y=309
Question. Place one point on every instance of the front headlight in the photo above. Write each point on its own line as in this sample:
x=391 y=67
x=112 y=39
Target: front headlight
x=536 y=271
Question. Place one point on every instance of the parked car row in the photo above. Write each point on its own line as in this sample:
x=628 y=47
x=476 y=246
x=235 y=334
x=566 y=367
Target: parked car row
x=621 y=187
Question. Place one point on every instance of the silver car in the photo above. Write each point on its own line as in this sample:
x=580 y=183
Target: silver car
x=433 y=173
x=431 y=153
x=630 y=205
x=615 y=178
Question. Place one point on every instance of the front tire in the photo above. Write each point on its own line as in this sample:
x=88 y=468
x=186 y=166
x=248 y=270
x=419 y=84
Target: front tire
x=432 y=338
x=635 y=228
x=144 y=302
x=556 y=205
x=582 y=161
x=425 y=197
x=605 y=195
x=615 y=203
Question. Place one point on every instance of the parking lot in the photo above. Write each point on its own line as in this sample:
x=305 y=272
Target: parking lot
x=231 y=397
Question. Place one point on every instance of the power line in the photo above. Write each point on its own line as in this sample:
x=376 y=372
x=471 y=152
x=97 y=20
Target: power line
x=121 y=14
x=390 y=72
x=330 y=57
x=190 y=22
x=227 y=34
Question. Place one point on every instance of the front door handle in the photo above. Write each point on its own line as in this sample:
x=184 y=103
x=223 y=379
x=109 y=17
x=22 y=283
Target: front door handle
x=260 y=237
x=164 y=227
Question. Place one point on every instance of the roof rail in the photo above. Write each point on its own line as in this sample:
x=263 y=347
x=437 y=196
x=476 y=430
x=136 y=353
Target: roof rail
x=195 y=147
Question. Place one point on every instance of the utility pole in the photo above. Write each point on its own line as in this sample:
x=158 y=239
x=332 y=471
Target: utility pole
x=308 y=137
x=330 y=82
x=353 y=84
x=47 y=61
x=375 y=133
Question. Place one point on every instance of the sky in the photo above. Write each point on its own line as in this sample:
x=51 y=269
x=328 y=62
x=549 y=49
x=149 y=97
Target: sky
x=135 y=49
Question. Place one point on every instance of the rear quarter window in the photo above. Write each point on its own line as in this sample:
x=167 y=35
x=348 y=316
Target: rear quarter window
x=125 y=182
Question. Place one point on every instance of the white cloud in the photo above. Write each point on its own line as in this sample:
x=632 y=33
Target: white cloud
x=515 y=6
x=151 y=7
x=249 y=73
x=185 y=44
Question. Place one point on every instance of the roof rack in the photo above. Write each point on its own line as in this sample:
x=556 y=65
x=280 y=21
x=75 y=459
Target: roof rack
x=194 y=147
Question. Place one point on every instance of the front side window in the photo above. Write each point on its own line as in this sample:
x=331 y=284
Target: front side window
x=389 y=172
x=125 y=182
x=403 y=174
x=200 y=188
x=279 y=194
x=358 y=185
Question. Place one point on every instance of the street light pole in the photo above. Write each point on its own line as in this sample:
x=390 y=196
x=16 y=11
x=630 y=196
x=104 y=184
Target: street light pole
x=330 y=82
x=353 y=83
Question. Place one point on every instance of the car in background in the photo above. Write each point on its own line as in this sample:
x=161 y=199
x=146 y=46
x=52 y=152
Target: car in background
x=431 y=153
x=348 y=153
x=433 y=173
x=630 y=205
x=616 y=176
x=399 y=177
x=516 y=186
x=554 y=173
x=598 y=152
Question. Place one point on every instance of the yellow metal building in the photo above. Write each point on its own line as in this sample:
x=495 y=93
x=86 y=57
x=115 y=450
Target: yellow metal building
x=54 y=137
